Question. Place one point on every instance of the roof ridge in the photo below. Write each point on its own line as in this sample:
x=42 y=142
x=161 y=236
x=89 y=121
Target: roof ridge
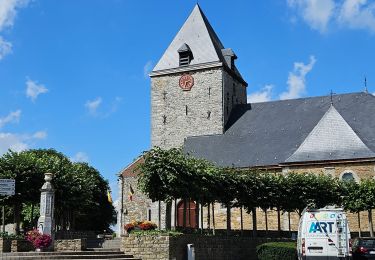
x=312 y=97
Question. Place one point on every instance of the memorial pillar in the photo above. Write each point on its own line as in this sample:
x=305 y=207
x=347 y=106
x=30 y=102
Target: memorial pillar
x=46 y=221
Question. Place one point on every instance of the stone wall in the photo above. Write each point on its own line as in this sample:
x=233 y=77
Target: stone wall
x=187 y=113
x=137 y=207
x=21 y=245
x=70 y=245
x=164 y=247
x=234 y=93
x=5 y=245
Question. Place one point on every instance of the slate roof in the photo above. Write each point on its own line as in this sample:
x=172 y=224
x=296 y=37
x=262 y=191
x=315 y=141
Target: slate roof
x=198 y=34
x=202 y=40
x=278 y=132
x=332 y=137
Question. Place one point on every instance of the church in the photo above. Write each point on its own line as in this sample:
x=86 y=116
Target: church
x=199 y=102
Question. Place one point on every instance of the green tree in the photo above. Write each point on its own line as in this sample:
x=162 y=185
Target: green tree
x=80 y=190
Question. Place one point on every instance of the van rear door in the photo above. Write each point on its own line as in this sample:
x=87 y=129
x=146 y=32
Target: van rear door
x=320 y=239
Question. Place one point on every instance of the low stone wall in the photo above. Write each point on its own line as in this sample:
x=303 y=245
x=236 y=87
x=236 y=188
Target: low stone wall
x=5 y=245
x=70 y=245
x=165 y=247
x=21 y=245
x=67 y=234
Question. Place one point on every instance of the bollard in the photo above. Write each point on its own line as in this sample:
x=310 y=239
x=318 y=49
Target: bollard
x=190 y=252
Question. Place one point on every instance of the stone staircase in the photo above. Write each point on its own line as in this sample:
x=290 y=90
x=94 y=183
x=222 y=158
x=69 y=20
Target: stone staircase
x=100 y=254
x=109 y=244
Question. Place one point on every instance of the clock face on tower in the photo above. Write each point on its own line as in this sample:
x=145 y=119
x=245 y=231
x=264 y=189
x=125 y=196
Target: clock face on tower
x=186 y=82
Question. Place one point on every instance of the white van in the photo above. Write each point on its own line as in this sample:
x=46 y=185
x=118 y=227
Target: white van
x=323 y=234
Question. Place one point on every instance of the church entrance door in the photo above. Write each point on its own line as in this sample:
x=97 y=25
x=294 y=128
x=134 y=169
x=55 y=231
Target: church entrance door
x=191 y=214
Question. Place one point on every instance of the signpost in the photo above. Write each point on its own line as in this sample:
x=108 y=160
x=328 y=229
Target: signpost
x=7 y=188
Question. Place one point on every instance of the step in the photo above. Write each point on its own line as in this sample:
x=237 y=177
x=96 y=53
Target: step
x=100 y=249
x=38 y=258
x=101 y=252
x=66 y=255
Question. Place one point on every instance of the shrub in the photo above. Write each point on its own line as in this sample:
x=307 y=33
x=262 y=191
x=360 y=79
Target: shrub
x=5 y=235
x=39 y=240
x=277 y=251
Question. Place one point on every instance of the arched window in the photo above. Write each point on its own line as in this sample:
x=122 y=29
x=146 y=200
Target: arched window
x=349 y=176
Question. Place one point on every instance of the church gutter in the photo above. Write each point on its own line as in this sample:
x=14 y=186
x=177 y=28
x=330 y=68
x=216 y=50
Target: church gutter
x=209 y=65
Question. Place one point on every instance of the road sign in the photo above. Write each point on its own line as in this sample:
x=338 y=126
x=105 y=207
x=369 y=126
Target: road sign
x=7 y=187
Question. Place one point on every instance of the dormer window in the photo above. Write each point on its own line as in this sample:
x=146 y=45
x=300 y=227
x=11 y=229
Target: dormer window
x=185 y=55
x=229 y=57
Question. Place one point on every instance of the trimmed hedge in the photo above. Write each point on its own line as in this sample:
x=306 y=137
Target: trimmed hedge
x=277 y=251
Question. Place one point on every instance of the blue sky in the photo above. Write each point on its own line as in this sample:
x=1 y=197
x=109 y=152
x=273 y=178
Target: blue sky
x=73 y=73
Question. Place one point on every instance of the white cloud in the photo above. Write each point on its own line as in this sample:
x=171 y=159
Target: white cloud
x=93 y=105
x=297 y=79
x=12 y=117
x=40 y=135
x=317 y=13
x=261 y=96
x=34 y=89
x=8 y=11
x=352 y=14
x=11 y=141
x=358 y=14
x=5 y=48
x=147 y=68
x=19 y=142
x=80 y=157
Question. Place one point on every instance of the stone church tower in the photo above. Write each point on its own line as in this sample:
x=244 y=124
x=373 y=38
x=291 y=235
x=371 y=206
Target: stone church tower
x=194 y=86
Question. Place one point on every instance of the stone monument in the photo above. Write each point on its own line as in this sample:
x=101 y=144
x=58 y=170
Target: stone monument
x=45 y=221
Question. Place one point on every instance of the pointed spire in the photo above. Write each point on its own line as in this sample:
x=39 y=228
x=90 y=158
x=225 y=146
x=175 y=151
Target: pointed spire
x=202 y=40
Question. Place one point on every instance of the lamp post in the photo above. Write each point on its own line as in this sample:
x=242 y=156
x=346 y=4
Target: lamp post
x=47 y=197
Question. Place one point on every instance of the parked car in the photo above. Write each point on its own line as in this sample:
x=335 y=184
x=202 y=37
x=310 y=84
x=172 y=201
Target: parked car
x=364 y=248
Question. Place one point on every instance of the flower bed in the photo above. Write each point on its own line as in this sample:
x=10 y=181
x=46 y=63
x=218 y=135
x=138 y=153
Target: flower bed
x=140 y=225
x=39 y=241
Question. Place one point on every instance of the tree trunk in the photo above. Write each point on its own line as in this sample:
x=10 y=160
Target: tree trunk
x=213 y=218
x=254 y=213
x=168 y=215
x=184 y=215
x=370 y=227
x=241 y=217
x=359 y=224
x=159 y=214
x=17 y=217
x=289 y=226
x=175 y=214
x=202 y=218
x=278 y=222
x=189 y=212
x=197 y=214
x=32 y=215
x=228 y=219
x=208 y=218
x=266 y=219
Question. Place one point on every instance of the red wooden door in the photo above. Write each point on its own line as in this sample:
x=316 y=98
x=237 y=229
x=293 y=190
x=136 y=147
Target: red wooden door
x=191 y=214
